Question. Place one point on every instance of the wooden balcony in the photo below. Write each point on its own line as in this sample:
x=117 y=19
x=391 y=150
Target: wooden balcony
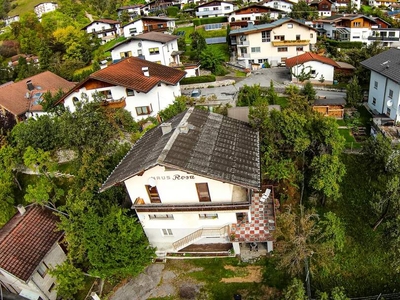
x=290 y=43
x=114 y=103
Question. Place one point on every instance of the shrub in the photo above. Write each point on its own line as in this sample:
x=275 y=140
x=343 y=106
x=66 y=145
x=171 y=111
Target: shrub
x=172 y=11
x=344 y=45
x=198 y=79
x=203 y=21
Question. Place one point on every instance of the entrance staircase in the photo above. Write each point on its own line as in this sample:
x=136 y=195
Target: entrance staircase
x=199 y=234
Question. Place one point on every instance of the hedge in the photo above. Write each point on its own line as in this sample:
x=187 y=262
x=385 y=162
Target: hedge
x=198 y=79
x=203 y=21
x=344 y=45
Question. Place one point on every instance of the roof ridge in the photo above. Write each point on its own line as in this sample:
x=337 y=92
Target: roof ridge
x=173 y=137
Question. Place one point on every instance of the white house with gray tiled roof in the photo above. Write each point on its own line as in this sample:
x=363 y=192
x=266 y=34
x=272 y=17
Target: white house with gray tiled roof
x=194 y=183
x=384 y=86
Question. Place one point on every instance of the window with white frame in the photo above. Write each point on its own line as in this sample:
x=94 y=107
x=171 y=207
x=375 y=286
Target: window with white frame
x=107 y=94
x=255 y=49
x=282 y=49
x=390 y=94
x=300 y=48
x=311 y=35
x=143 y=110
x=376 y=85
x=161 y=216
x=374 y=101
x=42 y=269
x=167 y=232
x=290 y=25
x=125 y=54
x=208 y=216
x=279 y=37
x=227 y=7
x=265 y=36
x=388 y=111
x=132 y=31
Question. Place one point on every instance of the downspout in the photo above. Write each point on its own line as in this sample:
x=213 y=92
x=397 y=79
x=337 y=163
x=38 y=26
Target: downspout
x=40 y=289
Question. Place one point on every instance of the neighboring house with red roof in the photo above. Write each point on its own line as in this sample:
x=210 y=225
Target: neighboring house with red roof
x=142 y=87
x=22 y=99
x=321 y=68
x=153 y=46
x=254 y=12
x=104 y=29
x=214 y=9
x=147 y=24
x=29 y=245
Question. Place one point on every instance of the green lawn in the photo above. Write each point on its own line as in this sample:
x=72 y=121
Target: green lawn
x=223 y=48
x=351 y=143
x=24 y=6
x=188 y=30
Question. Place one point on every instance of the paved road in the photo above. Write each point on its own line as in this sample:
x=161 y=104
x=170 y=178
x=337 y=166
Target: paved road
x=263 y=77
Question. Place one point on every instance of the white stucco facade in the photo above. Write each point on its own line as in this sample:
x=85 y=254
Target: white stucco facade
x=140 y=105
x=274 y=45
x=216 y=9
x=149 y=50
x=285 y=6
x=44 y=7
x=179 y=188
x=133 y=29
x=317 y=69
x=37 y=286
x=384 y=96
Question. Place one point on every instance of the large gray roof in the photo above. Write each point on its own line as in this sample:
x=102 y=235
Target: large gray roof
x=215 y=147
x=386 y=63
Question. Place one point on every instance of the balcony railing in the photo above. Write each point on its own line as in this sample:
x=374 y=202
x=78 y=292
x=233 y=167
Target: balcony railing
x=244 y=55
x=114 y=103
x=243 y=43
x=291 y=43
x=383 y=38
x=209 y=12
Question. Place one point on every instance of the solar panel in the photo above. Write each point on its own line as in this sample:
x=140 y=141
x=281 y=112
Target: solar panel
x=216 y=40
x=212 y=26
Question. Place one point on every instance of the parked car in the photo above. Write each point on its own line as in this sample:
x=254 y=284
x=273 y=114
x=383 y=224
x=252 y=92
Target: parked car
x=195 y=94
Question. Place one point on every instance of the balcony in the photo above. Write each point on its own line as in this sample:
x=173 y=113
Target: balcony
x=114 y=103
x=384 y=38
x=291 y=43
x=209 y=12
x=243 y=56
x=243 y=43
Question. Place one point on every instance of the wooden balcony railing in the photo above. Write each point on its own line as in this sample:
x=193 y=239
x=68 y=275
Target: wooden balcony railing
x=291 y=43
x=114 y=103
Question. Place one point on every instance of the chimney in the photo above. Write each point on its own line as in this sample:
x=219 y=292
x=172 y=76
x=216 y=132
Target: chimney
x=21 y=209
x=145 y=71
x=184 y=127
x=166 y=128
x=29 y=85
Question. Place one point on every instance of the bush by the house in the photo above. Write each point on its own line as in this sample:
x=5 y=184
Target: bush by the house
x=344 y=45
x=198 y=79
x=203 y=21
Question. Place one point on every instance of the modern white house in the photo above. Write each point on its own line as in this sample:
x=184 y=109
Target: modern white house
x=384 y=86
x=272 y=43
x=147 y=24
x=389 y=37
x=320 y=68
x=214 y=9
x=377 y=3
x=253 y=13
x=283 y=5
x=104 y=29
x=11 y=19
x=29 y=245
x=44 y=7
x=152 y=46
x=142 y=87
x=132 y=11
x=194 y=182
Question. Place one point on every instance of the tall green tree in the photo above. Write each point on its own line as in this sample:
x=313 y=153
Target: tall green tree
x=295 y=290
x=212 y=60
x=354 y=95
x=309 y=91
x=198 y=44
x=301 y=10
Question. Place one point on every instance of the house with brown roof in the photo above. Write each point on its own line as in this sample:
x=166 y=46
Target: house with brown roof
x=133 y=11
x=22 y=99
x=140 y=86
x=147 y=24
x=324 y=7
x=319 y=68
x=30 y=247
x=152 y=46
x=253 y=13
x=104 y=29
x=195 y=185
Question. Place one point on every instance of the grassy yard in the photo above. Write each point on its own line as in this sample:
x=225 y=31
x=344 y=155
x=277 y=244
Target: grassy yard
x=351 y=142
x=188 y=30
x=24 y=6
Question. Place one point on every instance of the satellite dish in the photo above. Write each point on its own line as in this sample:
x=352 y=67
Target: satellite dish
x=389 y=103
